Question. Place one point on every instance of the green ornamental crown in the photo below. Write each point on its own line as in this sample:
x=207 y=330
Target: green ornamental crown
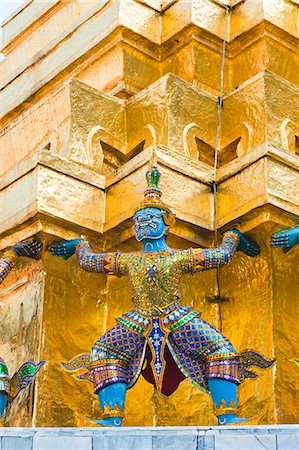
x=152 y=194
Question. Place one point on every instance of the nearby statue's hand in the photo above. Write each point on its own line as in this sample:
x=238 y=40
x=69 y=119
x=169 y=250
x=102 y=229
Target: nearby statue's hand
x=31 y=249
x=66 y=249
x=246 y=246
x=286 y=239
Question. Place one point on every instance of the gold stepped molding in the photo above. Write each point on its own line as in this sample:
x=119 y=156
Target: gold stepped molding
x=94 y=128
x=69 y=51
x=94 y=213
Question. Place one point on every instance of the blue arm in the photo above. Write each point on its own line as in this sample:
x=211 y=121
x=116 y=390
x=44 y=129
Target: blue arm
x=31 y=249
x=89 y=261
x=233 y=241
x=92 y=262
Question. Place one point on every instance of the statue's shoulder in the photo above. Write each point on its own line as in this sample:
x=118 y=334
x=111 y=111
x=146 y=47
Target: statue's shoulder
x=180 y=253
x=127 y=256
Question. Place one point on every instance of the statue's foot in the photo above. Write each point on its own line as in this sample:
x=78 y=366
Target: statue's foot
x=109 y=422
x=231 y=419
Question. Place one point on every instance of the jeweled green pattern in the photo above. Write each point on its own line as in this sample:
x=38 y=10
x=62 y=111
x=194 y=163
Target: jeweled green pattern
x=154 y=277
x=131 y=325
x=3 y=368
x=183 y=320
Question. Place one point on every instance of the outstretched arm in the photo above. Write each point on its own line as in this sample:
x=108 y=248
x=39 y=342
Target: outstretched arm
x=92 y=262
x=30 y=249
x=233 y=241
x=95 y=262
x=286 y=239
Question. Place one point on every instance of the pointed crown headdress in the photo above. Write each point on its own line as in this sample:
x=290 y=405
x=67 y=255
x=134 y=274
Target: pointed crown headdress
x=152 y=193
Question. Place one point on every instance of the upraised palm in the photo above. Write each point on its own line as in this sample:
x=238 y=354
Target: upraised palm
x=286 y=239
x=31 y=248
x=246 y=246
x=65 y=249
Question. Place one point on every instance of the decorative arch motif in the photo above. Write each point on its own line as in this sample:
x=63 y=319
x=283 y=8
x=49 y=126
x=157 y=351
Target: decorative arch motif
x=98 y=140
x=147 y=135
x=50 y=142
x=192 y=134
x=289 y=135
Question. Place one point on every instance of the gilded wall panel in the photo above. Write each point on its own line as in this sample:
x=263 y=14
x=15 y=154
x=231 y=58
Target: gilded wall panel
x=283 y=59
x=141 y=19
x=149 y=108
x=282 y=99
x=188 y=106
x=45 y=122
x=285 y=332
x=248 y=321
x=207 y=67
x=21 y=312
x=66 y=198
x=105 y=71
x=140 y=67
x=283 y=184
x=18 y=201
x=74 y=315
x=242 y=192
x=94 y=112
x=209 y=16
x=246 y=105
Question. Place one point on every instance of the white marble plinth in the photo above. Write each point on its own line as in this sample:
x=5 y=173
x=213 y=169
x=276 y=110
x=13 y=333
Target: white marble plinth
x=264 y=437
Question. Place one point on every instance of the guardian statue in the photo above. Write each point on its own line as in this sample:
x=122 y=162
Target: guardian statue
x=160 y=338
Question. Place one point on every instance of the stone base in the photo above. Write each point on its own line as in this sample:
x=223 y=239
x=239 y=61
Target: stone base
x=263 y=437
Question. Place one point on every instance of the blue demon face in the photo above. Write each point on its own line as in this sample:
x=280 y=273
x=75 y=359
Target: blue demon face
x=149 y=224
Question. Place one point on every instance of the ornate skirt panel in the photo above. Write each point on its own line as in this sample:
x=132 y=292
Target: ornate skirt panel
x=117 y=357
x=200 y=352
x=175 y=346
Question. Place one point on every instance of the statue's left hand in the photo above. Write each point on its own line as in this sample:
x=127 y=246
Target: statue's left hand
x=246 y=246
x=32 y=249
x=286 y=239
x=65 y=248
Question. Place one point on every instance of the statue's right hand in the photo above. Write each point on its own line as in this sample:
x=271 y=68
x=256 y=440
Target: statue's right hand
x=65 y=249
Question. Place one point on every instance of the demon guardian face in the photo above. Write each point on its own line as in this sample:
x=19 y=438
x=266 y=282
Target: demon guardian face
x=149 y=224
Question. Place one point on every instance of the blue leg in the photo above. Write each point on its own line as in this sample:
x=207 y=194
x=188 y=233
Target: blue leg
x=224 y=396
x=3 y=402
x=112 y=401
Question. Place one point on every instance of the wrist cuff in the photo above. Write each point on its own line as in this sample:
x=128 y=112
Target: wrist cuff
x=80 y=244
x=11 y=257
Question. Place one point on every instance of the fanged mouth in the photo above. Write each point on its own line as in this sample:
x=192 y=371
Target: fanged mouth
x=143 y=225
x=143 y=232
